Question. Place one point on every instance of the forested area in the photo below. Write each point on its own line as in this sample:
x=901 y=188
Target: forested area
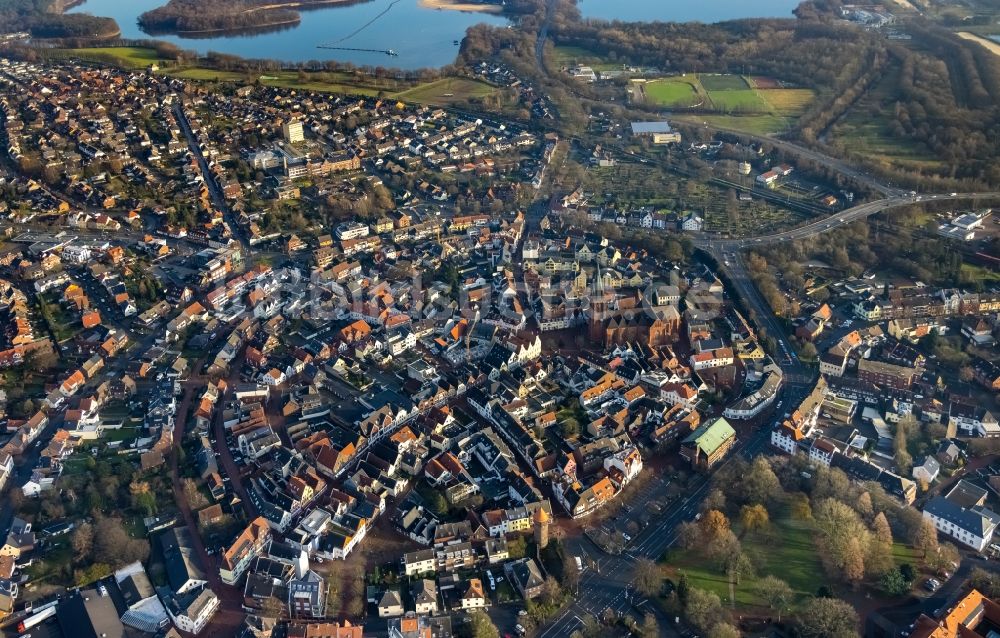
x=214 y=15
x=43 y=19
x=935 y=98
x=944 y=96
x=179 y=16
x=812 y=54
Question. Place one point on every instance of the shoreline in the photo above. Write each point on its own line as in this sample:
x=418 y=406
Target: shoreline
x=264 y=26
x=989 y=45
x=458 y=5
x=291 y=5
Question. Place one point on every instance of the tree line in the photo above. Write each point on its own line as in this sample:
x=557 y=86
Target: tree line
x=220 y=15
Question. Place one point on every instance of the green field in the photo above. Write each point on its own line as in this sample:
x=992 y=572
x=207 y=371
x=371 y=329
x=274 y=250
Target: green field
x=741 y=101
x=872 y=137
x=723 y=82
x=729 y=94
x=868 y=129
x=128 y=57
x=972 y=273
x=678 y=91
x=768 y=112
x=443 y=91
x=788 y=551
x=788 y=101
x=578 y=56
x=446 y=91
x=755 y=124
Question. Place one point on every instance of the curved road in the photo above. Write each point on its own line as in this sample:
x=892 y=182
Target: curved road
x=825 y=224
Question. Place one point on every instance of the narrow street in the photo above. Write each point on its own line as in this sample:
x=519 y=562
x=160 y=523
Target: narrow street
x=229 y=466
x=230 y=615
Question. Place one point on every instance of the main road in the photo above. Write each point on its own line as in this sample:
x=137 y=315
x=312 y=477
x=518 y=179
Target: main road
x=214 y=192
x=608 y=583
x=844 y=217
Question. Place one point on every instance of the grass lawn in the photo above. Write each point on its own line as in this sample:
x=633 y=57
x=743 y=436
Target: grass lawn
x=327 y=82
x=580 y=56
x=786 y=551
x=902 y=553
x=128 y=57
x=788 y=101
x=972 y=272
x=723 y=82
x=446 y=91
x=756 y=124
x=210 y=75
x=742 y=100
x=677 y=91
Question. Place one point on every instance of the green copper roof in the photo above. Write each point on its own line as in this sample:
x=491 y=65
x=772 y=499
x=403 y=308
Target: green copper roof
x=710 y=436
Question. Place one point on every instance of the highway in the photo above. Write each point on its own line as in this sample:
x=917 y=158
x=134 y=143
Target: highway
x=826 y=224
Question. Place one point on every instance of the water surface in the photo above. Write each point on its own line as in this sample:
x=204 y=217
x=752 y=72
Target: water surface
x=421 y=37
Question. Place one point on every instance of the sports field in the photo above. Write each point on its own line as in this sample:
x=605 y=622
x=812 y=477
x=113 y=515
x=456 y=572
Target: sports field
x=759 y=105
x=725 y=94
x=678 y=92
x=739 y=101
x=723 y=82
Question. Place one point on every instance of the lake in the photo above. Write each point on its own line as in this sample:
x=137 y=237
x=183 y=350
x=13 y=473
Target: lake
x=685 y=10
x=422 y=37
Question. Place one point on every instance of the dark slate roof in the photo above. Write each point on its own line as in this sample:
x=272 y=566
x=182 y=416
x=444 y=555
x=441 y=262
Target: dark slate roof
x=974 y=521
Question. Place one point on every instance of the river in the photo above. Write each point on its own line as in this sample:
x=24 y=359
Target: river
x=422 y=37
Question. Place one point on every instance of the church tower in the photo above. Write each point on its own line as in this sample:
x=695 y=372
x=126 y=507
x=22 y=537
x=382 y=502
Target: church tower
x=541 y=519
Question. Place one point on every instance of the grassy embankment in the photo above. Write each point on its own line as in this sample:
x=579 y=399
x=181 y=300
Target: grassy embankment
x=441 y=91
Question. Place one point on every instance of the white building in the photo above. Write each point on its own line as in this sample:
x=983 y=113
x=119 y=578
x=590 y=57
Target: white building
x=351 y=230
x=292 y=131
x=973 y=527
x=191 y=613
